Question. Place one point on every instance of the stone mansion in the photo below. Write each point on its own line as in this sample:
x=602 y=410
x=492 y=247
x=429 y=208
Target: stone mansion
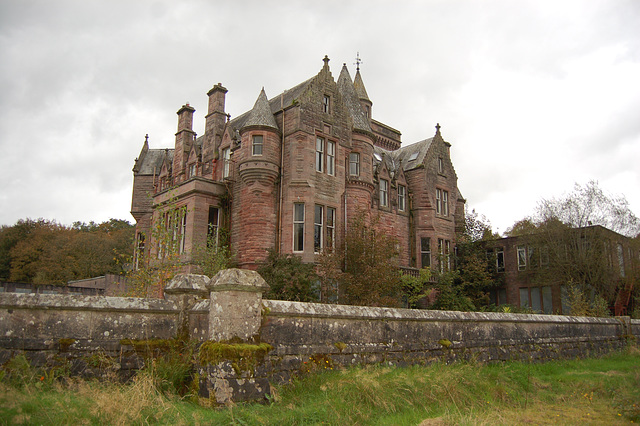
x=291 y=172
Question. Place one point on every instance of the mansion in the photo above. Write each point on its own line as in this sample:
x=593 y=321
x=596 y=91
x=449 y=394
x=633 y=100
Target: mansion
x=289 y=174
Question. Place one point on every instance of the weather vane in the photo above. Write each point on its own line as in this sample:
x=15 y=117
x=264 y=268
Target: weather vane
x=358 y=61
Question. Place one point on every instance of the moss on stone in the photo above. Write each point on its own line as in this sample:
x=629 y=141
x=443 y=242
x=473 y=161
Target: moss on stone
x=446 y=343
x=65 y=344
x=340 y=346
x=242 y=356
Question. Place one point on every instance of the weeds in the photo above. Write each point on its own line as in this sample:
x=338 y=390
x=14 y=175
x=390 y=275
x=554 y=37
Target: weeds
x=591 y=391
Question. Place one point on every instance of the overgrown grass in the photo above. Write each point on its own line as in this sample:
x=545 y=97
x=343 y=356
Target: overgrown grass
x=591 y=391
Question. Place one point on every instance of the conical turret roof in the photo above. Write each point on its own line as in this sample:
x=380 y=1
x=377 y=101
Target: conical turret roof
x=358 y=84
x=352 y=101
x=261 y=114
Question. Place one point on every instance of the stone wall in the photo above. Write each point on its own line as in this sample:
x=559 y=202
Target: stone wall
x=249 y=343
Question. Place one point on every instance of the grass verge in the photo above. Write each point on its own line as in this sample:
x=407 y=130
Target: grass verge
x=590 y=391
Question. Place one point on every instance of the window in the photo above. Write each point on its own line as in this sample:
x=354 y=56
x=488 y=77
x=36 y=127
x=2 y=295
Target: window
x=354 y=164
x=444 y=250
x=331 y=227
x=183 y=233
x=384 y=193
x=317 y=229
x=525 y=300
x=498 y=297
x=440 y=165
x=139 y=253
x=500 y=259
x=522 y=258
x=447 y=253
x=319 y=154
x=413 y=156
x=331 y=158
x=544 y=257
x=538 y=299
x=192 y=170
x=258 y=142
x=367 y=111
x=326 y=103
x=213 y=224
x=298 y=227
x=438 y=201
x=226 y=162
x=425 y=252
x=402 y=198
x=445 y=203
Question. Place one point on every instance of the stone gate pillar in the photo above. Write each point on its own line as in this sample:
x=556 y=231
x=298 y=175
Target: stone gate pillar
x=236 y=305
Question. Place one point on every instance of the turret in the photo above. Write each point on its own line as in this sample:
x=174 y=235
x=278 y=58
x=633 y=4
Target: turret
x=258 y=169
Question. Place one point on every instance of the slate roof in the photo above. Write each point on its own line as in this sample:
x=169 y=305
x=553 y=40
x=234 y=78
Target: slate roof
x=400 y=158
x=358 y=84
x=352 y=101
x=261 y=114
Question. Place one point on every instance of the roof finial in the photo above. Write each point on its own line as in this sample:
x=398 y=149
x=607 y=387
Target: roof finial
x=437 y=128
x=326 y=61
x=358 y=61
x=146 y=138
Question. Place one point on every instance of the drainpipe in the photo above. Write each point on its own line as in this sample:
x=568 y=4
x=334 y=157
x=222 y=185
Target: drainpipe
x=279 y=223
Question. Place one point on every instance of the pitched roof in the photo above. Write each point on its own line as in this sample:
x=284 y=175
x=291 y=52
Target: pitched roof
x=358 y=84
x=261 y=114
x=407 y=158
x=352 y=101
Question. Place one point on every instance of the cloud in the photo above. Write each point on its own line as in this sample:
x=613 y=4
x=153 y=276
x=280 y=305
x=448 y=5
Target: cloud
x=533 y=95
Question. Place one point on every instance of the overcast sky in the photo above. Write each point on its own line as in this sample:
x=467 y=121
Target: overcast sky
x=533 y=95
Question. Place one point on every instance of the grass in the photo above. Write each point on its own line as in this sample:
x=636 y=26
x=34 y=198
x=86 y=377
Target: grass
x=589 y=391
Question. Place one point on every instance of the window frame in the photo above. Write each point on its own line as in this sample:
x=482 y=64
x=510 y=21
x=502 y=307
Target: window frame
x=326 y=104
x=521 y=257
x=255 y=145
x=331 y=227
x=354 y=164
x=298 y=228
x=425 y=251
x=383 y=186
x=318 y=228
x=331 y=158
x=402 y=198
x=226 y=162
x=320 y=143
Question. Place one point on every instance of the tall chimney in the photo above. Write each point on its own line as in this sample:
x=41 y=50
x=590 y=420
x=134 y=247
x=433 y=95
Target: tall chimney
x=184 y=140
x=214 y=124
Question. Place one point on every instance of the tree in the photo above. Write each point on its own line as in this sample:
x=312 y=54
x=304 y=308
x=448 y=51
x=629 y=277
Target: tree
x=466 y=287
x=365 y=266
x=589 y=205
x=46 y=252
x=567 y=238
x=215 y=255
x=289 y=278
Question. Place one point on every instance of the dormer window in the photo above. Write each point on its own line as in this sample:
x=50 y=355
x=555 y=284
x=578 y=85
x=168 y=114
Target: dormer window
x=192 y=170
x=326 y=103
x=257 y=144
